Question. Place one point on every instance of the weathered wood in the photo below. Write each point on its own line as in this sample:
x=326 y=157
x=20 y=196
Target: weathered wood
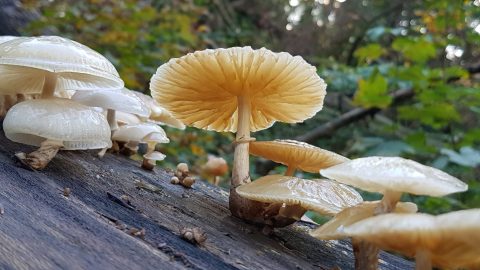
x=43 y=229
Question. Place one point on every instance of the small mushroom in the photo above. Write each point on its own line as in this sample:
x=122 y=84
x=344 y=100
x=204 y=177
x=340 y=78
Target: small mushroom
x=54 y=124
x=333 y=229
x=239 y=90
x=44 y=64
x=320 y=195
x=148 y=133
x=215 y=167
x=182 y=176
x=113 y=100
x=296 y=155
x=449 y=241
x=392 y=176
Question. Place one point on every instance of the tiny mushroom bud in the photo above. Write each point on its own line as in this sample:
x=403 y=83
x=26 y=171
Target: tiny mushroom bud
x=239 y=90
x=449 y=241
x=187 y=181
x=53 y=124
x=323 y=196
x=296 y=155
x=182 y=168
x=194 y=235
x=174 y=180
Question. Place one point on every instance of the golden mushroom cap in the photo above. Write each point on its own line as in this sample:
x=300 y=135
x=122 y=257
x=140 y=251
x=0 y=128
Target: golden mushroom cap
x=25 y=61
x=452 y=239
x=379 y=174
x=320 y=195
x=76 y=125
x=201 y=88
x=300 y=155
x=333 y=229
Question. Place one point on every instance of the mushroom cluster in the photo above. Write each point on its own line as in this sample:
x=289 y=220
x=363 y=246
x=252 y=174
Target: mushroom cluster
x=53 y=91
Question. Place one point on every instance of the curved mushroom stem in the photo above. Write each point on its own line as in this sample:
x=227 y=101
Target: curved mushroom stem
x=423 y=260
x=40 y=158
x=368 y=253
x=130 y=148
x=241 y=207
x=49 y=85
x=112 y=121
x=290 y=171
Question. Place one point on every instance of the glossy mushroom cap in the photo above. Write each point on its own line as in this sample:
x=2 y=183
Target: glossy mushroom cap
x=139 y=132
x=155 y=155
x=119 y=100
x=77 y=126
x=320 y=195
x=452 y=240
x=25 y=61
x=333 y=229
x=158 y=114
x=201 y=88
x=301 y=155
x=379 y=174
x=124 y=118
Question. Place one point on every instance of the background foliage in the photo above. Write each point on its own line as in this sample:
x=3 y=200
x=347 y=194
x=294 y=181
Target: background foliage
x=365 y=50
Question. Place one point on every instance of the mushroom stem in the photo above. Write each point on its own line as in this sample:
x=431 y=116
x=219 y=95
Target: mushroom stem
x=40 y=158
x=147 y=163
x=388 y=202
x=242 y=207
x=423 y=260
x=366 y=255
x=240 y=171
x=112 y=121
x=290 y=171
x=49 y=85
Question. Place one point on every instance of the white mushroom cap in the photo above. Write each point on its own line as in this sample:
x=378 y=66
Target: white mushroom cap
x=323 y=196
x=452 y=239
x=380 y=174
x=6 y=38
x=119 y=100
x=333 y=229
x=77 y=126
x=124 y=118
x=138 y=133
x=155 y=155
x=159 y=114
x=25 y=61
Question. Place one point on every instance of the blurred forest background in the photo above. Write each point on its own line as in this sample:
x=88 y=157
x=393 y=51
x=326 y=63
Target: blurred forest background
x=402 y=76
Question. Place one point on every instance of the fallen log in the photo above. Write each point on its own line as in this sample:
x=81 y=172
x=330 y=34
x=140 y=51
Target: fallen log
x=82 y=212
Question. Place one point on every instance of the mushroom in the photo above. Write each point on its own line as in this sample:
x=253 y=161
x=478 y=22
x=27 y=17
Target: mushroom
x=124 y=118
x=392 y=176
x=238 y=90
x=43 y=64
x=320 y=195
x=296 y=155
x=449 y=241
x=113 y=100
x=216 y=167
x=333 y=229
x=54 y=124
x=148 y=133
x=158 y=114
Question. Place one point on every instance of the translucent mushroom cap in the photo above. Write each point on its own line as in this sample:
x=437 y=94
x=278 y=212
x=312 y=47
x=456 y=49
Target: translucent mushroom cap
x=139 y=132
x=25 y=61
x=320 y=195
x=155 y=155
x=158 y=114
x=119 y=100
x=379 y=174
x=452 y=239
x=201 y=88
x=6 y=38
x=124 y=118
x=76 y=125
x=333 y=229
x=300 y=155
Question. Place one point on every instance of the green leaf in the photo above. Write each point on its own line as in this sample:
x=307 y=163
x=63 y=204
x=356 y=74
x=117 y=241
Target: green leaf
x=416 y=50
x=436 y=115
x=467 y=156
x=369 y=53
x=373 y=92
